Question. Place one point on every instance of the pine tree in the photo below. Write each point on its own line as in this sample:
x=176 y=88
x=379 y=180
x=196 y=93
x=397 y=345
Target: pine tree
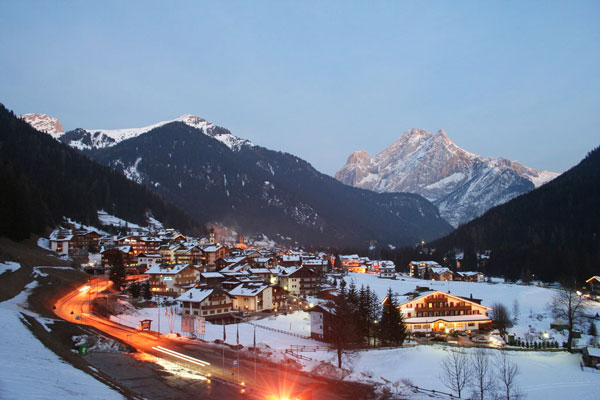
x=117 y=273
x=392 y=329
x=146 y=292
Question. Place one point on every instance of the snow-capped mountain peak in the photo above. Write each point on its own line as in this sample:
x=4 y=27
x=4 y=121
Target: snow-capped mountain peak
x=87 y=139
x=463 y=185
x=44 y=123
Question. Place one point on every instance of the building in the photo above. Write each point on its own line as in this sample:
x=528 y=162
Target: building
x=279 y=297
x=320 y=321
x=172 y=280
x=469 y=276
x=252 y=297
x=60 y=241
x=437 y=311
x=418 y=269
x=122 y=255
x=440 y=274
x=211 y=279
x=148 y=260
x=319 y=265
x=298 y=281
x=208 y=303
x=593 y=285
x=78 y=241
x=387 y=271
x=212 y=253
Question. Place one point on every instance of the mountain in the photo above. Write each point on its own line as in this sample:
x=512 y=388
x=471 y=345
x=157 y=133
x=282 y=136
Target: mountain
x=44 y=123
x=88 y=139
x=217 y=177
x=461 y=184
x=551 y=233
x=44 y=181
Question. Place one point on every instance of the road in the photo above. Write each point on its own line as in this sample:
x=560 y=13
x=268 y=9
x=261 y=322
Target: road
x=260 y=381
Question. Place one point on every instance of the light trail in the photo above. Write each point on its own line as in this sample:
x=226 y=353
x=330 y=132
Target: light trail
x=181 y=356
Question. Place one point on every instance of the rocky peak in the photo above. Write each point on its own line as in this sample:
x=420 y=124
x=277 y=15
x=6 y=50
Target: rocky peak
x=44 y=123
x=463 y=185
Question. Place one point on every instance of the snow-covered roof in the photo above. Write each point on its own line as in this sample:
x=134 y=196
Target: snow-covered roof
x=593 y=351
x=259 y=271
x=262 y=259
x=208 y=275
x=211 y=249
x=195 y=295
x=149 y=255
x=248 y=289
x=61 y=235
x=447 y=318
x=283 y=271
x=425 y=263
x=290 y=258
x=468 y=273
x=439 y=270
x=159 y=269
x=428 y=293
x=314 y=262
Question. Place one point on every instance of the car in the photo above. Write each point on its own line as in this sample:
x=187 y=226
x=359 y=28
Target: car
x=479 y=339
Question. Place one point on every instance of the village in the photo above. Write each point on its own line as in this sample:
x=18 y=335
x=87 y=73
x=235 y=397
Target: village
x=218 y=288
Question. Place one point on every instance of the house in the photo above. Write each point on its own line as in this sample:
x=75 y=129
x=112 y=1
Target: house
x=290 y=260
x=212 y=253
x=319 y=265
x=172 y=280
x=440 y=274
x=84 y=240
x=252 y=297
x=211 y=279
x=418 y=269
x=469 y=276
x=591 y=356
x=264 y=274
x=387 y=271
x=437 y=311
x=208 y=303
x=188 y=255
x=60 y=241
x=594 y=285
x=279 y=297
x=320 y=321
x=298 y=281
x=122 y=255
x=148 y=260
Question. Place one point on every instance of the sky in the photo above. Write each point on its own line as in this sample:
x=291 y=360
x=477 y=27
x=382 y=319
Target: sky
x=513 y=79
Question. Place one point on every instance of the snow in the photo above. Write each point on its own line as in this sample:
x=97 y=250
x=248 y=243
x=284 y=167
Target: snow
x=9 y=266
x=299 y=322
x=107 y=219
x=44 y=244
x=31 y=371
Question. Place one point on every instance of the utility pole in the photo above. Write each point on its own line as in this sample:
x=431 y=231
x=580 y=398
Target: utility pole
x=158 y=302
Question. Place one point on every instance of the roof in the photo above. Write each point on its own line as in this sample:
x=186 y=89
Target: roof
x=212 y=275
x=149 y=255
x=447 y=318
x=593 y=351
x=248 y=289
x=595 y=277
x=59 y=235
x=259 y=271
x=159 y=269
x=439 y=270
x=469 y=273
x=425 y=294
x=212 y=249
x=195 y=295
x=427 y=263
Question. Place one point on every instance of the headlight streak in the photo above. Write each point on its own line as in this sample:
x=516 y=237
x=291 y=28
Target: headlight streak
x=181 y=356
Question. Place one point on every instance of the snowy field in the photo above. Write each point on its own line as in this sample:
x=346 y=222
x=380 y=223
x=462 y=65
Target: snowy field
x=533 y=316
x=543 y=375
x=299 y=322
x=31 y=371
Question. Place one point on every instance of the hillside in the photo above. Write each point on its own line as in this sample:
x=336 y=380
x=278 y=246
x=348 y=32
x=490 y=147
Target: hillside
x=551 y=233
x=44 y=180
x=256 y=190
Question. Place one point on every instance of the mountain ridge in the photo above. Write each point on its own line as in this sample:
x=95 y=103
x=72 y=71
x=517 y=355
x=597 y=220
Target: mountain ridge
x=462 y=184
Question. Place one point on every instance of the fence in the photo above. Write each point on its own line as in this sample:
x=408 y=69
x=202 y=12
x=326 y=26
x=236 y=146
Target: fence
x=278 y=330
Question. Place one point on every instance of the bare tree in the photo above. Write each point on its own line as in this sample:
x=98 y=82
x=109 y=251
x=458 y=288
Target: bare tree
x=483 y=378
x=568 y=306
x=506 y=373
x=455 y=371
x=501 y=316
x=516 y=311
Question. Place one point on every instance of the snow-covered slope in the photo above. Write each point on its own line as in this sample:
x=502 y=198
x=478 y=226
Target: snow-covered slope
x=87 y=139
x=44 y=123
x=463 y=185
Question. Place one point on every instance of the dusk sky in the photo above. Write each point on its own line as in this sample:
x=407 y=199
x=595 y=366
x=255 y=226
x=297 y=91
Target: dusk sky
x=516 y=79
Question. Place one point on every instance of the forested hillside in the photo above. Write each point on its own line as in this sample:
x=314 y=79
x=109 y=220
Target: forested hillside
x=44 y=180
